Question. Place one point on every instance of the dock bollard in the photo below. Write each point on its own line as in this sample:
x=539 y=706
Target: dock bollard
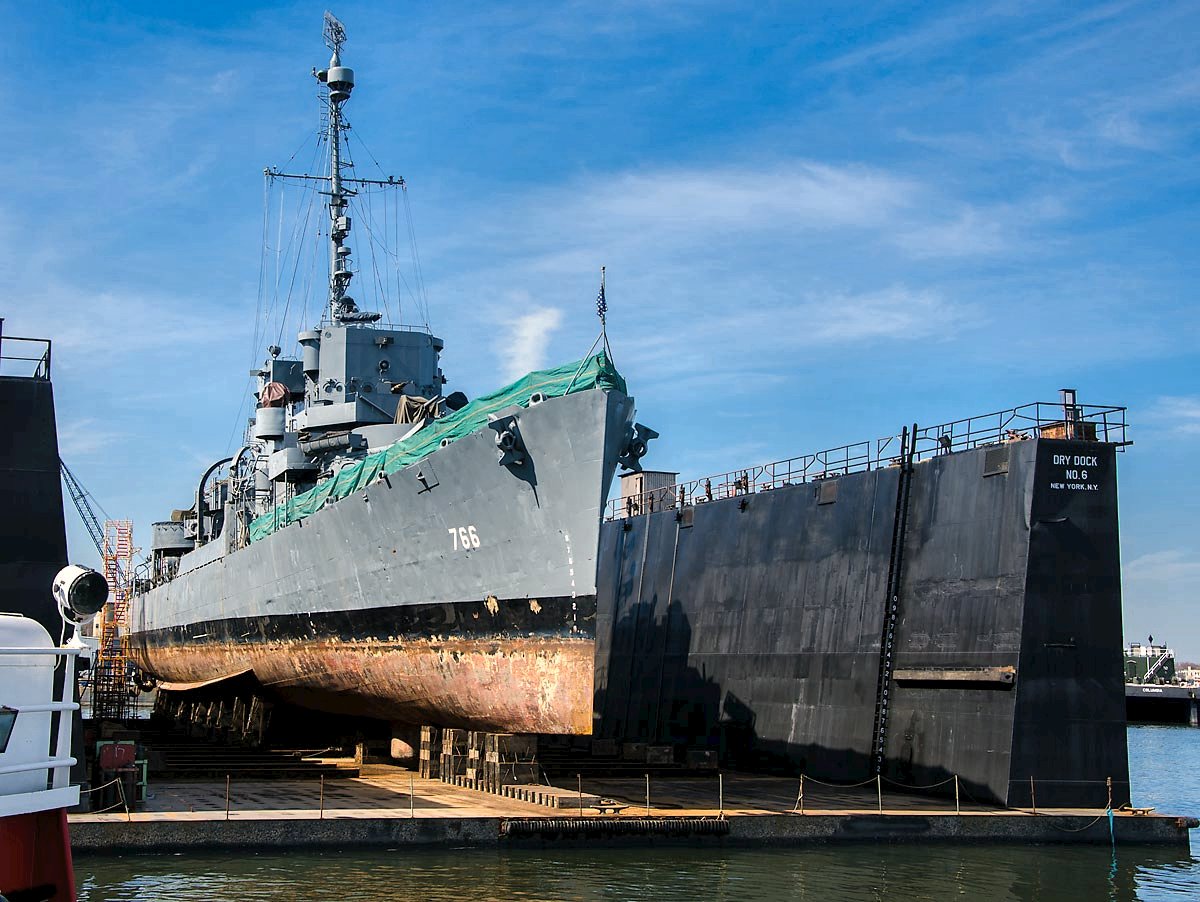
x=227 y=797
x=322 y=814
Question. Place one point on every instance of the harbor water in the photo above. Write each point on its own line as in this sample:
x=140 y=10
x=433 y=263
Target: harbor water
x=1165 y=771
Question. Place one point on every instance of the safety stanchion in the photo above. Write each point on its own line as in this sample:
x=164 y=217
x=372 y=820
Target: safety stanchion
x=124 y=801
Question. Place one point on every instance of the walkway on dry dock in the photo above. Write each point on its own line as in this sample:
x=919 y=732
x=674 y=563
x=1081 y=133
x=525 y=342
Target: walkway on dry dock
x=377 y=808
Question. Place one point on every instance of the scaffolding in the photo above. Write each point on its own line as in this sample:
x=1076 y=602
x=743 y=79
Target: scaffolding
x=110 y=677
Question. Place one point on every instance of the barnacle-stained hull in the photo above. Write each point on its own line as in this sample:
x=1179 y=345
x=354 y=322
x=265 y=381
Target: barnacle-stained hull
x=503 y=667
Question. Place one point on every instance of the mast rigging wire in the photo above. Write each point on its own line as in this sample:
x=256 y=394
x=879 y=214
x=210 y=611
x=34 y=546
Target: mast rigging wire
x=420 y=297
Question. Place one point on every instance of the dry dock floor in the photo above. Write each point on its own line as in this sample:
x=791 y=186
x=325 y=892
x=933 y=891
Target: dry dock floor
x=377 y=807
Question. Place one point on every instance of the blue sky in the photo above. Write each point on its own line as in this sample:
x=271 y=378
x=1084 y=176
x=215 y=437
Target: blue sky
x=820 y=222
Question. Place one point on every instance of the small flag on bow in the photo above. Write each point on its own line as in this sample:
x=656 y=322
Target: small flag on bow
x=601 y=302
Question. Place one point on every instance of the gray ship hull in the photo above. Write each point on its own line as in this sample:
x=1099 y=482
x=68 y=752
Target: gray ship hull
x=457 y=591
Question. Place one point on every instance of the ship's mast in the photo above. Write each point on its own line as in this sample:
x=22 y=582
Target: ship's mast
x=339 y=80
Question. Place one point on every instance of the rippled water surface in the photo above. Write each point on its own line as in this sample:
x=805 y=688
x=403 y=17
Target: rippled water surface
x=1164 y=761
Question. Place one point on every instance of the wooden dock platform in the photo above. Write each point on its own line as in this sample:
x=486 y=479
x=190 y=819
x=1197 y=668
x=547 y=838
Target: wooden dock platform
x=389 y=806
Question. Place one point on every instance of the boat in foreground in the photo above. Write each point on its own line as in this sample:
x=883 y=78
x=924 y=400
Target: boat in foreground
x=37 y=682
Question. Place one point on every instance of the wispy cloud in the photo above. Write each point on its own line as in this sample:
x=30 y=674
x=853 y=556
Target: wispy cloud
x=799 y=193
x=1160 y=591
x=935 y=36
x=102 y=328
x=83 y=437
x=728 y=263
x=1170 y=566
x=528 y=337
x=1177 y=414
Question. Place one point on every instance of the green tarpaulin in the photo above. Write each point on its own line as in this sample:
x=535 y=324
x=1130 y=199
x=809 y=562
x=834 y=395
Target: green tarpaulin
x=594 y=372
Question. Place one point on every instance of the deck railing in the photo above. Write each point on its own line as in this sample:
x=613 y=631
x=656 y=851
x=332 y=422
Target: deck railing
x=1040 y=419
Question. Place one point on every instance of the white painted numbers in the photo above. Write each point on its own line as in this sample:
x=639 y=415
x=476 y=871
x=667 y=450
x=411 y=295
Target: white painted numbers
x=464 y=537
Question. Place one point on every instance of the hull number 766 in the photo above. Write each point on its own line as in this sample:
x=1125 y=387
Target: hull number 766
x=465 y=537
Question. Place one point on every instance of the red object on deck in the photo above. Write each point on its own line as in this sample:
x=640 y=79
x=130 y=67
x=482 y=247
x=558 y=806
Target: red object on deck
x=116 y=755
x=35 y=854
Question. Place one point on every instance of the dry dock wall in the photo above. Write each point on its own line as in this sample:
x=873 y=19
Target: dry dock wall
x=33 y=540
x=141 y=836
x=753 y=625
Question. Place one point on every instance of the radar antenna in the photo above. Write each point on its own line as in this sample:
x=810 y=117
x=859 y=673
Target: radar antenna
x=335 y=32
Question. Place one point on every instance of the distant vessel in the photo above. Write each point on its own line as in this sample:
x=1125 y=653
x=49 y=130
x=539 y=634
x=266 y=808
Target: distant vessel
x=1155 y=692
x=1150 y=664
x=382 y=549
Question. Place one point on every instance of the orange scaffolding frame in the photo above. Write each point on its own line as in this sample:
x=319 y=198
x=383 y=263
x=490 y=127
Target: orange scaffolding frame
x=110 y=677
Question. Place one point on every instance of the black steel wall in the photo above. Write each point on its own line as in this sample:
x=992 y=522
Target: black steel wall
x=756 y=629
x=33 y=541
x=960 y=610
x=1070 y=716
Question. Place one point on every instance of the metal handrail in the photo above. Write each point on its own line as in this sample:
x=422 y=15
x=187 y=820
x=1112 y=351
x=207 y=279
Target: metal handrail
x=1039 y=419
x=60 y=651
x=45 y=764
x=41 y=369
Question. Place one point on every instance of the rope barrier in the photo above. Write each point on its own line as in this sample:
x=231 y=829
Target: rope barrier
x=83 y=791
x=808 y=779
x=1090 y=823
x=909 y=786
x=112 y=807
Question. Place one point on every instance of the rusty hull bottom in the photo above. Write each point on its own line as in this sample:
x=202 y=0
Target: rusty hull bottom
x=509 y=685
x=520 y=666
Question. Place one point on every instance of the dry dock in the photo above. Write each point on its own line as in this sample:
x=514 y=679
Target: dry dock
x=389 y=807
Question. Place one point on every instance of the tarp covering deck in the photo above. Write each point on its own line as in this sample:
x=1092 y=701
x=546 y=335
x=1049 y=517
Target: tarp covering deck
x=596 y=371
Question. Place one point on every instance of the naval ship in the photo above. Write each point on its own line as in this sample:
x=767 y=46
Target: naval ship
x=380 y=548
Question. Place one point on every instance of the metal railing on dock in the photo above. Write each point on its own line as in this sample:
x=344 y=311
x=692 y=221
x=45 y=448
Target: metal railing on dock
x=1039 y=419
x=28 y=357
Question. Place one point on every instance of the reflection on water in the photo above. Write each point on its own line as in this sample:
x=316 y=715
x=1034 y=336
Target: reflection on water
x=858 y=872
x=1164 y=761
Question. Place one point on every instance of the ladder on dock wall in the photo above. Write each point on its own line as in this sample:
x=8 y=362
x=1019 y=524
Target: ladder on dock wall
x=891 y=609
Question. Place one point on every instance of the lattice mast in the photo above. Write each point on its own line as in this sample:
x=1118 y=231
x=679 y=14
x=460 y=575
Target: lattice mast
x=338 y=188
x=111 y=672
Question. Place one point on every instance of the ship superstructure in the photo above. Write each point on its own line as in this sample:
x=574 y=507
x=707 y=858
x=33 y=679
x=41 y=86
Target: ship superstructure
x=379 y=547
